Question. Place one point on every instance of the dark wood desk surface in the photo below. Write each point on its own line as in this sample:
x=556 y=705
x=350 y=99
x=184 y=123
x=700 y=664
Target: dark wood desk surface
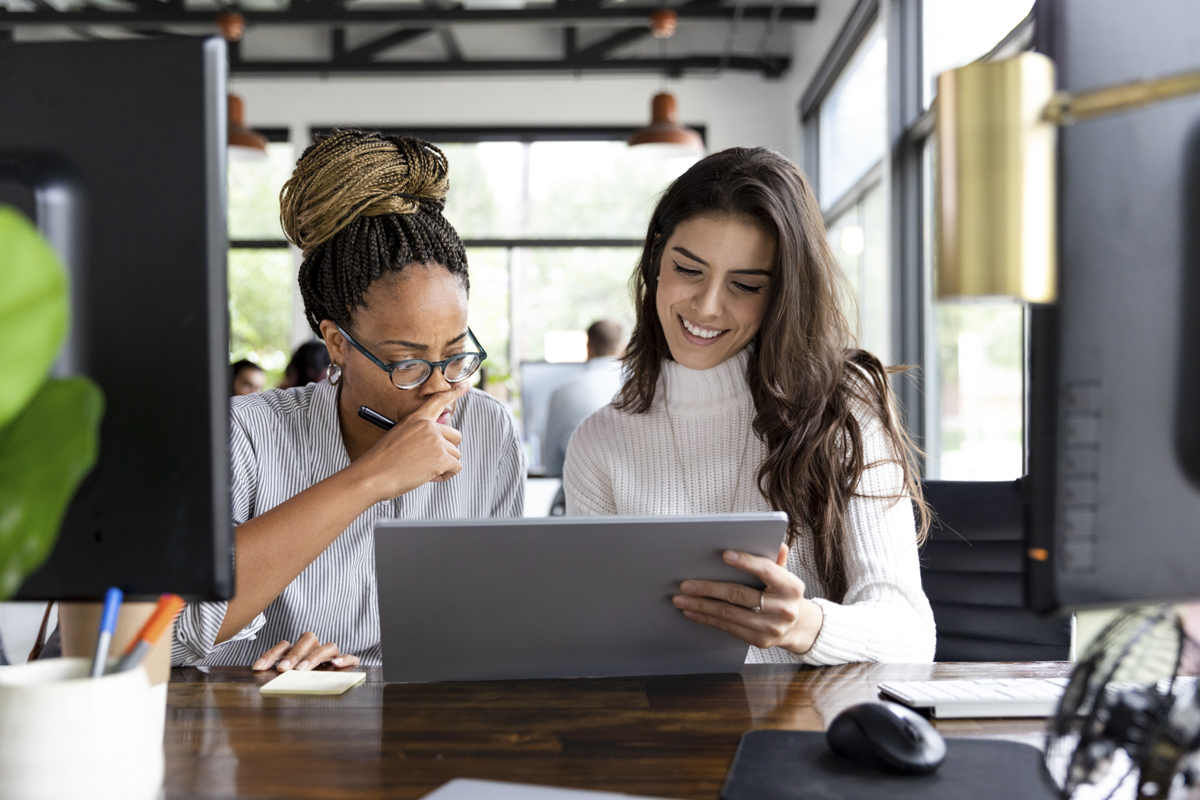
x=671 y=737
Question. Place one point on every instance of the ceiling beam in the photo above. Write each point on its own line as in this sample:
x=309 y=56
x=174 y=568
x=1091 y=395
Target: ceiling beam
x=307 y=12
x=450 y=44
x=603 y=47
x=769 y=67
x=367 y=51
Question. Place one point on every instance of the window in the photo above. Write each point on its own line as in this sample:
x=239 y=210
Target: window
x=261 y=267
x=869 y=148
x=955 y=33
x=974 y=350
x=853 y=126
x=554 y=224
x=859 y=240
x=849 y=123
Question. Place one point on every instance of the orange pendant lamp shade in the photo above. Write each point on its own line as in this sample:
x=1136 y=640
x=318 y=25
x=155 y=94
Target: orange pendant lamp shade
x=664 y=127
x=243 y=142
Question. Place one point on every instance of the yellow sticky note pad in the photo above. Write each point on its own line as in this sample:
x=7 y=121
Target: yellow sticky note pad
x=313 y=682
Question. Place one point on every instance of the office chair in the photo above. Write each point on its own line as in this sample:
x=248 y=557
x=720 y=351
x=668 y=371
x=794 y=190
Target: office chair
x=972 y=571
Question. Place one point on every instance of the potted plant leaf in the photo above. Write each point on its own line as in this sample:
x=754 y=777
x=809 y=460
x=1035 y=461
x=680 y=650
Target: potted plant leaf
x=49 y=427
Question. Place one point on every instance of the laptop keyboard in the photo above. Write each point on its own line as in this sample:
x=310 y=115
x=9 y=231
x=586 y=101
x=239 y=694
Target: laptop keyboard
x=999 y=697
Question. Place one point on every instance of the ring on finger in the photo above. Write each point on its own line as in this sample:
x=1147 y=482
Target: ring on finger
x=761 y=598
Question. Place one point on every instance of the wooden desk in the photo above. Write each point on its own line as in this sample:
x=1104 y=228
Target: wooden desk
x=671 y=737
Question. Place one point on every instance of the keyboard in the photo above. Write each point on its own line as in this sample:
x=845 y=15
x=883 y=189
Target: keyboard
x=997 y=697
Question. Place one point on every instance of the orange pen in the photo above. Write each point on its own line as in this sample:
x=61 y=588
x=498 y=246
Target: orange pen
x=169 y=606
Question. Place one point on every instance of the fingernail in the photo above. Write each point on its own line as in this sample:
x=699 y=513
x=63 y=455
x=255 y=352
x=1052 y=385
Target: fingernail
x=688 y=586
x=730 y=555
x=260 y=664
x=302 y=665
x=284 y=665
x=337 y=660
x=680 y=602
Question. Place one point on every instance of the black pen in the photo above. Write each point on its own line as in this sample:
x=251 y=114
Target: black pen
x=375 y=418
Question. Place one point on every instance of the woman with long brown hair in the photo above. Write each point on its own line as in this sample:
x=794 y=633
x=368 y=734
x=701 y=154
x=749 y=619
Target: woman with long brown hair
x=745 y=392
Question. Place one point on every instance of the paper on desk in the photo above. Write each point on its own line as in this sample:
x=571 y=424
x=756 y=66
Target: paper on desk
x=313 y=682
x=466 y=789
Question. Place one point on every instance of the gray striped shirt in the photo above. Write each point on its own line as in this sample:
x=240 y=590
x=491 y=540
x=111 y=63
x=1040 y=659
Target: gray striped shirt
x=283 y=442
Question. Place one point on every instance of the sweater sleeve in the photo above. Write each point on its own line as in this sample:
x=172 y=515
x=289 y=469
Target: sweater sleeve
x=198 y=625
x=587 y=478
x=885 y=615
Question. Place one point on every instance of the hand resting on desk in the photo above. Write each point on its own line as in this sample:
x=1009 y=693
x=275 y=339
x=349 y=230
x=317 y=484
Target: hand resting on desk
x=784 y=617
x=307 y=654
x=276 y=546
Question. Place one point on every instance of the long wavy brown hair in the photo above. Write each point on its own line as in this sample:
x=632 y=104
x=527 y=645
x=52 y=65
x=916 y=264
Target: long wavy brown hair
x=806 y=375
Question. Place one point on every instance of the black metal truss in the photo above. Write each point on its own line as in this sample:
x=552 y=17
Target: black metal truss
x=329 y=12
x=675 y=67
x=151 y=17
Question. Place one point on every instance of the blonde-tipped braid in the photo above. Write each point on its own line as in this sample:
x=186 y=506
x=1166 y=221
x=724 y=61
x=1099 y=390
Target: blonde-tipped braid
x=361 y=204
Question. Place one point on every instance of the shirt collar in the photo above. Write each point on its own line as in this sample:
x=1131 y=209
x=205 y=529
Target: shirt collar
x=327 y=450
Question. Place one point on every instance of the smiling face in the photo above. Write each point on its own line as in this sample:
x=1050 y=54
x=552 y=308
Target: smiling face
x=419 y=312
x=714 y=282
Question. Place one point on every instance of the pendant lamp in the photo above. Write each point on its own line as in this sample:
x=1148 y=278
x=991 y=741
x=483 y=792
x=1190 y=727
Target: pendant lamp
x=244 y=143
x=664 y=134
x=664 y=128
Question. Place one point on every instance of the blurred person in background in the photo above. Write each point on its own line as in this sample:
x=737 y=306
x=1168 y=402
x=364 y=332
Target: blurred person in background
x=309 y=364
x=577 y=398
x=248 y=378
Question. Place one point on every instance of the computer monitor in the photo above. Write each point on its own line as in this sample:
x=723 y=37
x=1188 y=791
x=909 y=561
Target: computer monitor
x=1115 y=366
x=117 y=150
x=539 y=379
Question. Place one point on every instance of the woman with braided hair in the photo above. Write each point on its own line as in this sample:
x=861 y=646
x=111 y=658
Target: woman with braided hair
x=384 y=282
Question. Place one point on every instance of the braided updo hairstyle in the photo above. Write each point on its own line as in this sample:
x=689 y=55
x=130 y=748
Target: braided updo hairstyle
x=361 y=204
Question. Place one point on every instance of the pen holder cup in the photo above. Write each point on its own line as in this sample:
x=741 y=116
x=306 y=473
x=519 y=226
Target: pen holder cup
x=64 y=734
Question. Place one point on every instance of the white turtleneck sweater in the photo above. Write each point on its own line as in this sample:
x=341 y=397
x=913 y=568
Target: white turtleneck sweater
x=621 y=463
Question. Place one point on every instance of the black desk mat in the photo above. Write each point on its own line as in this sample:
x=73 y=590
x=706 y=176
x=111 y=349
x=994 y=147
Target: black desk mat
x=798 y=765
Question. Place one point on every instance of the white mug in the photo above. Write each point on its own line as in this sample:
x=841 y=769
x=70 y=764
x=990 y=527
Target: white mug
x=66 y=735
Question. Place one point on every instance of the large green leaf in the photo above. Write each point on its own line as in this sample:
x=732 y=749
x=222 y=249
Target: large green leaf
x=33 y=310
x=44 y=453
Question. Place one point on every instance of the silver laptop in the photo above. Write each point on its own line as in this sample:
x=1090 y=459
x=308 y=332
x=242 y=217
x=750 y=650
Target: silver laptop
x=558 y=597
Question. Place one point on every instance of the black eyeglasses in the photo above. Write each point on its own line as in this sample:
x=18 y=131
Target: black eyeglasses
x=412 y=372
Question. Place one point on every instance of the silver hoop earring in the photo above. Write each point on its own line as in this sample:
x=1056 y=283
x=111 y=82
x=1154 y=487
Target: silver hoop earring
x=335 y=374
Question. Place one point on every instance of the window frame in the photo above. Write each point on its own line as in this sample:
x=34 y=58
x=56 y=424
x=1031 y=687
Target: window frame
x=910 y=126
x=857 y=28
x=274 y=136
x=525 y=134
x=902 y=169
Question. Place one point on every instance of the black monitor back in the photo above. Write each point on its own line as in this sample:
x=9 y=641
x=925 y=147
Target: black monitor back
x=117 y=149
x=1115 y=411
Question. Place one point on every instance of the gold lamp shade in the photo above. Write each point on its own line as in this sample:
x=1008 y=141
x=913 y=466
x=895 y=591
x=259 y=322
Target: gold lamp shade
x=995 y=221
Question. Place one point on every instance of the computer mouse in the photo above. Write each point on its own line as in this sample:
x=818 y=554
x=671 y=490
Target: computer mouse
x=887 y=736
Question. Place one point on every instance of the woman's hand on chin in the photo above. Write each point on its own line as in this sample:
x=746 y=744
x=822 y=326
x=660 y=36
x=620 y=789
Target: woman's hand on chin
x=307 y=653
x=415 y=452
x=784 y=617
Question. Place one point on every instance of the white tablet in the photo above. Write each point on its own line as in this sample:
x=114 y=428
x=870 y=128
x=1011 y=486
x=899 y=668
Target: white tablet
x=559 y=597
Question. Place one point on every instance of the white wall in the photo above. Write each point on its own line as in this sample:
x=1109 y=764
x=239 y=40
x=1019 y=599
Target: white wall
x=737 y=108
